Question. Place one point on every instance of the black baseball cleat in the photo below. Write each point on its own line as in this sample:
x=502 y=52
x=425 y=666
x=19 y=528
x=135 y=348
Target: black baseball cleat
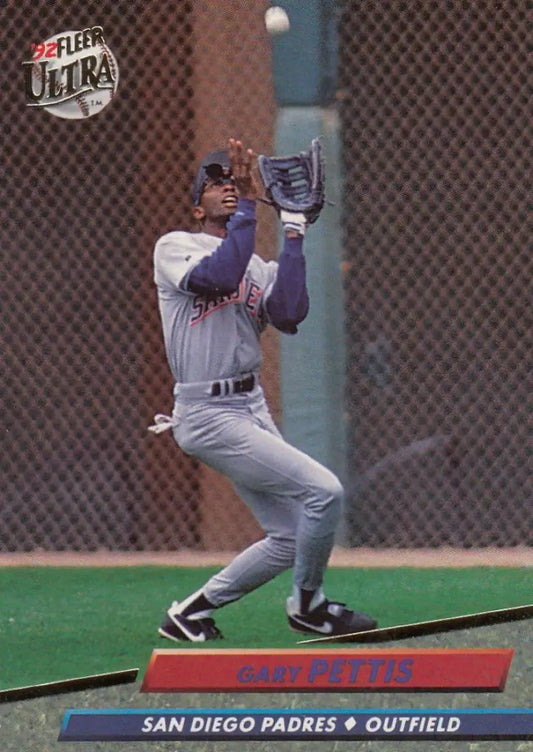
x=179 y=628
x=329 y=618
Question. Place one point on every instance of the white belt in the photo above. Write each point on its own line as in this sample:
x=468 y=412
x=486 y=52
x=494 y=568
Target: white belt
x=219 y=388
x=199 y=389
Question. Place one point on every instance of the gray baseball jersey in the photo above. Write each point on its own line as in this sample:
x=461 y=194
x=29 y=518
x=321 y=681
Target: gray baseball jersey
x=212 y=337
x=209 y=337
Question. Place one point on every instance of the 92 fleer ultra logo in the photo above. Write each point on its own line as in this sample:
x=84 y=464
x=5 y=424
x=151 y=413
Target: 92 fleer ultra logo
x=73 y=74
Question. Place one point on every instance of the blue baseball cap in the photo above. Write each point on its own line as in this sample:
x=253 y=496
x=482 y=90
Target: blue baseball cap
x=214 y=166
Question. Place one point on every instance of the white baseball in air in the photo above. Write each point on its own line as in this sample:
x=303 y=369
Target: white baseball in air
x=277 y=20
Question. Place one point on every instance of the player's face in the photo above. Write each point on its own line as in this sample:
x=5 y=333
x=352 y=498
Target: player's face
x=219 y=198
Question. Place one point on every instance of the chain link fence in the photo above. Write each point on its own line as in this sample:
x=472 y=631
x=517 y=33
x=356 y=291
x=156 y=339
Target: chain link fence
x=433 y=101
x=84 y=201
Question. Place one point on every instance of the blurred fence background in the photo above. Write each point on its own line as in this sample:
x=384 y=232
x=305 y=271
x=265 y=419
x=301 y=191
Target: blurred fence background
x=435 y=106
x=429 y=105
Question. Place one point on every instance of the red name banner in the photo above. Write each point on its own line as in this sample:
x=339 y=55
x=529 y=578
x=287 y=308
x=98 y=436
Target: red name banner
x=396 y=670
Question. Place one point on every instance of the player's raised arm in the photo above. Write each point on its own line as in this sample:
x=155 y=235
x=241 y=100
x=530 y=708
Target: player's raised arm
x=241 y=162
x=225 y=192
x=288 y=302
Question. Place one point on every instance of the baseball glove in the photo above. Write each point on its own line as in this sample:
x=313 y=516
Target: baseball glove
x=295 y=184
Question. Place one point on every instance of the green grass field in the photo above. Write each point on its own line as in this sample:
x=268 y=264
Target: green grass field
x=59 y=622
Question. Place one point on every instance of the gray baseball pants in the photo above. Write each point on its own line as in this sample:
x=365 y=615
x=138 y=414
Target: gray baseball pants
x=296 y=500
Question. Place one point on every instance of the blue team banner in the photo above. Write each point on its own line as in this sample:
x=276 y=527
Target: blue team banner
x=291 y=725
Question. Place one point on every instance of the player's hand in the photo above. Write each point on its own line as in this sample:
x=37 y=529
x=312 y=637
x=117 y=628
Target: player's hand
x=241 y=161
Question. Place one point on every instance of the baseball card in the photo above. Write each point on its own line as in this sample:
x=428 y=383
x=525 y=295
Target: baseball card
x=264 y=385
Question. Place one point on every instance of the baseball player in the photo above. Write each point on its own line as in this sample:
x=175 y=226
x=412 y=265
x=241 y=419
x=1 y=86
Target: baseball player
x=215 y=297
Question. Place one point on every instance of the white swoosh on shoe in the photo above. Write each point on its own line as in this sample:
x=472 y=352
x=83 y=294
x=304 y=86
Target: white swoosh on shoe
x=182 y=624
x=325 y=628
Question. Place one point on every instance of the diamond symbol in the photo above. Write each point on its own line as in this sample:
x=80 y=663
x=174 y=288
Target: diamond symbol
x=350 y=723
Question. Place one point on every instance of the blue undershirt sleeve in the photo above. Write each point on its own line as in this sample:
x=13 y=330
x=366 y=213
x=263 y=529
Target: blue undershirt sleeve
x=221 y=272
x=288 y=302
